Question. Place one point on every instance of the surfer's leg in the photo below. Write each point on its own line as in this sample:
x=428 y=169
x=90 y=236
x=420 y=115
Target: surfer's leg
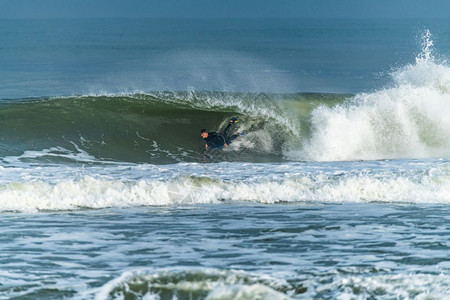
x=225 y=132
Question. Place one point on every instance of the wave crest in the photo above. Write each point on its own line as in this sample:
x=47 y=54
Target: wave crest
x=194 y=284
x=195 y=184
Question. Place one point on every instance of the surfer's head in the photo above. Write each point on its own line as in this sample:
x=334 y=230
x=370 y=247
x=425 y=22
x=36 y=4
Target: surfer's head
x=204 y=133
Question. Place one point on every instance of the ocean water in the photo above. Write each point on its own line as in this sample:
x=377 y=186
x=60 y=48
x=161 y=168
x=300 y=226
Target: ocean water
x=339 y=188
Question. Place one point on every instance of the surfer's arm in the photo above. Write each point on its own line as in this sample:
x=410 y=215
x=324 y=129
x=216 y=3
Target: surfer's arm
x=224 y=141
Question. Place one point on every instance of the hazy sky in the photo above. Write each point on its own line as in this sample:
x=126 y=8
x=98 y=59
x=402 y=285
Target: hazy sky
x=224 y=8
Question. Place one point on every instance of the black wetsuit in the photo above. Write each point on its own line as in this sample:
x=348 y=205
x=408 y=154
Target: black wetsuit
x=217 y=140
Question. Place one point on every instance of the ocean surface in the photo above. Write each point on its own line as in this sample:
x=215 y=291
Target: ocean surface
x=338 y=189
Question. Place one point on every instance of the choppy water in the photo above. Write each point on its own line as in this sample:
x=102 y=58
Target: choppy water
x=338 y=189
x=231 y=251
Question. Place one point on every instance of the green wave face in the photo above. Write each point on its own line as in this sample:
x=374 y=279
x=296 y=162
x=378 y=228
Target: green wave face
x=164 y=127
x=157 y=128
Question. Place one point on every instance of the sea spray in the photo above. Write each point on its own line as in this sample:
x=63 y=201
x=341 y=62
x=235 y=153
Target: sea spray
x=409 y=119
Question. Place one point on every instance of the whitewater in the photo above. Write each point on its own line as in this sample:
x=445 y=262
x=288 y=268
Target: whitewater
x=329 y=194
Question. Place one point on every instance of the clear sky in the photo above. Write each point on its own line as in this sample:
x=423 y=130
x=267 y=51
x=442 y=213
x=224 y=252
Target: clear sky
x=225 y=8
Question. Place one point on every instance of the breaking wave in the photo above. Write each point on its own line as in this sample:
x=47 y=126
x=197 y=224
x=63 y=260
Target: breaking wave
x=408 y=119
x=156 y=128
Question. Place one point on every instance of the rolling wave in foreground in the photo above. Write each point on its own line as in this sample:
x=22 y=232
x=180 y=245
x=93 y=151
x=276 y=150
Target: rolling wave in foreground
x=53 y=188
x=218 y=284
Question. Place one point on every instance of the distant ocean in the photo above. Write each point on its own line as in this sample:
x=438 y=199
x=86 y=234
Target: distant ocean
x=339 y=188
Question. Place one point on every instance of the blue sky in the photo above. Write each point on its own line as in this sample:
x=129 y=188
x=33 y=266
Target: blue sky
x=225 y=8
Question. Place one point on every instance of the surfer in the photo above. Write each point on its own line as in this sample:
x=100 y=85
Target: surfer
x=214 y=140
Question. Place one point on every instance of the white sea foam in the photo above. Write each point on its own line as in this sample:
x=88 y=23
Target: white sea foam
x=188 y=184
x=413 y=286
x=76 y=155
x=409 y=119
